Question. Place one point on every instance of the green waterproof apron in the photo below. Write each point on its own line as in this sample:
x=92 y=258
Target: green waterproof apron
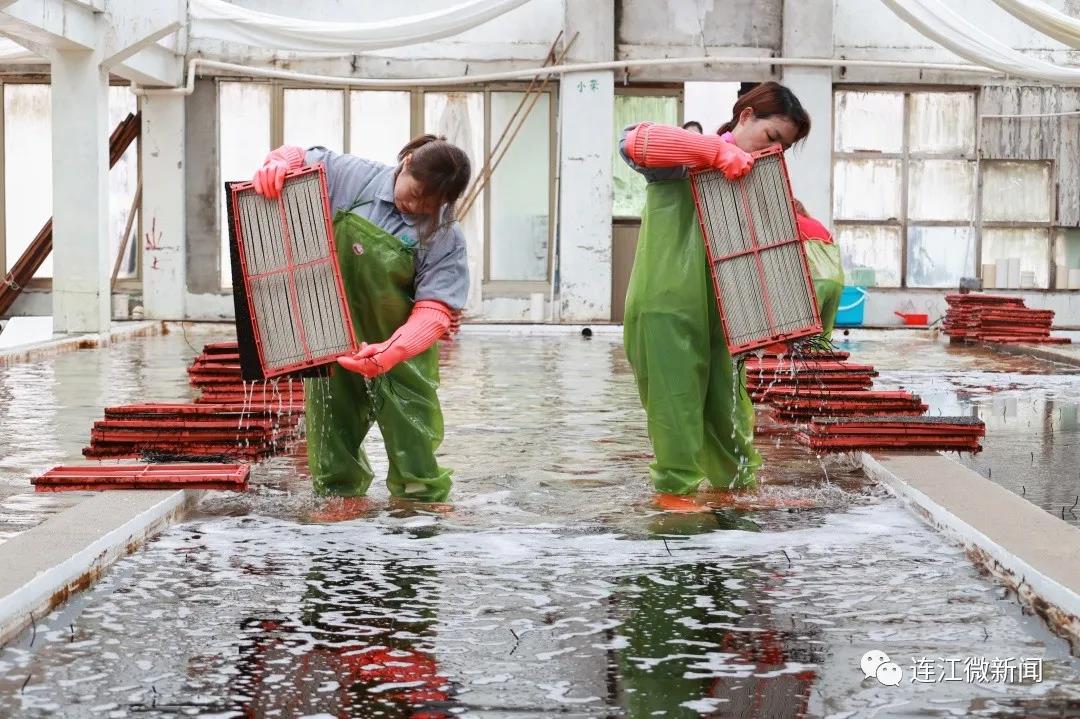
x=378 y=273
x=700 y=418
x=828 y=274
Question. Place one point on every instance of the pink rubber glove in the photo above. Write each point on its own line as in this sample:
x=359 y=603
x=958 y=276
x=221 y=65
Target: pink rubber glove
x=270 y=178
x=428 y=322
x=652 y=145
x=454 y=328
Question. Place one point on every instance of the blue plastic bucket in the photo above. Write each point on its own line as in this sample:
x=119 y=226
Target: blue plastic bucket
x=852 y=305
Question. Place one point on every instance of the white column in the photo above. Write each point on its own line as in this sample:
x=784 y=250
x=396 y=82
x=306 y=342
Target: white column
x=585 y=192
x=810 y=163
x=586 y=106
x=808 y=33
x=80 y=140
x=163 y=220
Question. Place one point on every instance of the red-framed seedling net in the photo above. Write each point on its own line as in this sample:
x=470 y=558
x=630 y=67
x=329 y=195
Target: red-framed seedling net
x=757 y=262
x=292 y=315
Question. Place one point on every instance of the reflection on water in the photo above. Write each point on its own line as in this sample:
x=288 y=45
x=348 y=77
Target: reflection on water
x=550 y=588
x=48 y=407
x=403 y=617
x=1032 y=444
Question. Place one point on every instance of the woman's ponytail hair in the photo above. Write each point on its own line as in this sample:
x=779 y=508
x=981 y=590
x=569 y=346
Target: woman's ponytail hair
x=442 y=168
x=766 y=100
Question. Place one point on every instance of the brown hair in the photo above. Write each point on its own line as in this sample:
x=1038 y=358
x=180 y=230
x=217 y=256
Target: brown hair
x=800 y=208
x=766 y=100
x=442 y=168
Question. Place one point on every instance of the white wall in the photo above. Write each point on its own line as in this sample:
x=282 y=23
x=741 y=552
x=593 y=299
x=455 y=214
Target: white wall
x=881 y=304
x=709 y=103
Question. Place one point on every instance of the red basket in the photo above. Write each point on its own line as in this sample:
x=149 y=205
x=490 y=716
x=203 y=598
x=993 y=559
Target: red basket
x=756 y=258
x=292 y=315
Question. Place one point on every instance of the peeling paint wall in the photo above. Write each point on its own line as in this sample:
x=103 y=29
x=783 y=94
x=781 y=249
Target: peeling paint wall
x=697 y=24
x=692 y=28
x=1053 y=138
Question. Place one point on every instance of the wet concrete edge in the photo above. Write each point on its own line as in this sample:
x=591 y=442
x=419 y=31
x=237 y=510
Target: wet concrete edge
x=63 y=344
x=1050 y=353
x=67 y=553
x=939 y=491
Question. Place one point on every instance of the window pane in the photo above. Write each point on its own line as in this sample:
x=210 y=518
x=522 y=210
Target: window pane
x=1016 y=191
x=1028 y=244
x=460 y=117
x=940 y=256
x=630 y=109
x=520 y=192
x=27 y=168
x=244 y=127
x=1066 y=256
x=123 y=178
x=873 y=246
x=314 y=117
x=941 y=190
x=866 y=189
x=379 y=124
x=942 y=122
x=872 y=121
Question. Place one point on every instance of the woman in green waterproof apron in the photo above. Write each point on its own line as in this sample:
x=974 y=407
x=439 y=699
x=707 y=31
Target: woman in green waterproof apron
x=405 y=271
x=700 y=419
x=826 y=269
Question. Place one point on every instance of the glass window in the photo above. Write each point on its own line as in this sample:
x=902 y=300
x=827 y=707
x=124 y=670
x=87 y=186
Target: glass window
x=873 y=246
x=459 y=116
x=942 y=123
x=939 y=256
x=520 y=192
x=379 y=124
x=629 y=185
x=243 y=142
x=868 y=121
x=27 y=168
x=123 y=180
x=1030 y=245
x=1066 y=256
x=866 y=189
x=1016 y=191
x=941 y=190
x=314 y=117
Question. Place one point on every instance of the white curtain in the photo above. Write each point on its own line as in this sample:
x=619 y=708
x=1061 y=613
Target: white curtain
x=220 y=20
x=1047 y=20
x=937 y=22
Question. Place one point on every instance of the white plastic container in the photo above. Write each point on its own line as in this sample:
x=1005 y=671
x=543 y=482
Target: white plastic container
x=1002 y=274
x=989 y=276
x=1014 y=273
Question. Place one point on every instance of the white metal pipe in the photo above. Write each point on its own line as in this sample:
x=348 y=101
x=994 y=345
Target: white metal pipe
x=548 y=70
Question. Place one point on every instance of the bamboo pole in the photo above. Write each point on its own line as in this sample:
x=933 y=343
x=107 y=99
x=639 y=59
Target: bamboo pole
x=135 y=200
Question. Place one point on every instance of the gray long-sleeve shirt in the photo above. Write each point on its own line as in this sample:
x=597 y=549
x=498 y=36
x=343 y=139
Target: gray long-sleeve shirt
x=442 y=268
x=652 y=174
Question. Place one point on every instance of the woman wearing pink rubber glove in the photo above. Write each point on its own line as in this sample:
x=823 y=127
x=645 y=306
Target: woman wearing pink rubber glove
x=405 y=272
x=700 y=419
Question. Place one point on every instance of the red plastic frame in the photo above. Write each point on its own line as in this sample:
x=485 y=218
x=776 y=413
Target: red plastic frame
x=756 y=251
x=143 y=476
x=290 y=270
